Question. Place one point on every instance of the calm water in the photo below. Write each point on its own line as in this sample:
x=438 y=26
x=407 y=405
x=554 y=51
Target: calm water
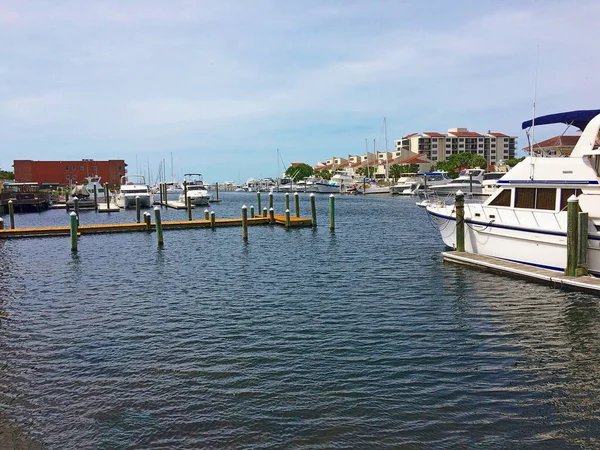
x=353 y=339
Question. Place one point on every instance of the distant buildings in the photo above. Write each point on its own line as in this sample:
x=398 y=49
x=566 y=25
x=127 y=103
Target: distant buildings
x=494 y=147
x=426 y=149
x=68 y=172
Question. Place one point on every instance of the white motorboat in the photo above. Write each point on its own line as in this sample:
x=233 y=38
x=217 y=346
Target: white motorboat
x=197 y=193
x=489 y=184
x=93 y=182
x=338 y=183
x=133 y=186
x=376 y=189
x=413 y=184
x=469 y=180
x=525 y=220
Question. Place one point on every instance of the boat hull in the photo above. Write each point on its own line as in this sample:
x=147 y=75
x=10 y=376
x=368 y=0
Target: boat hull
x=126 y=201
x=534 y=246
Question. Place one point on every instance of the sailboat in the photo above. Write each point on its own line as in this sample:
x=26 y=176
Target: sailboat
x=376 y=189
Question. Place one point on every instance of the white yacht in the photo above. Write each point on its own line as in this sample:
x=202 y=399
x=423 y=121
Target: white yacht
x=468 y=181
x=489 y=184
x=339 y=182
x=197 y=193
x=133 y=186
x=93 y=182
x=525 y=220
x=416 y=183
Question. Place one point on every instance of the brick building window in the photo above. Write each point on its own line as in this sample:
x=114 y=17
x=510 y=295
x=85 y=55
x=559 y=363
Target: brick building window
x=67 y=167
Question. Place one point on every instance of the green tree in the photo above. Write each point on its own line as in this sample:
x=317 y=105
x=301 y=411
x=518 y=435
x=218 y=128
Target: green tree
x=455 y=163
x=299 y=171
x=368 y=172
x=513 y=161
x=325 y=174
x=6 y=175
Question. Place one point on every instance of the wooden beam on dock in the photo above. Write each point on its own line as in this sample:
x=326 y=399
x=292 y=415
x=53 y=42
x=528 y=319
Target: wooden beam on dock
x=130 y=227
x=523 y=271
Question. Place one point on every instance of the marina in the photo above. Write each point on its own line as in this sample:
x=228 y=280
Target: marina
x=312 y=344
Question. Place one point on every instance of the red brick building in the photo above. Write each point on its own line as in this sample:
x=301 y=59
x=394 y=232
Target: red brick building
x=69 y=172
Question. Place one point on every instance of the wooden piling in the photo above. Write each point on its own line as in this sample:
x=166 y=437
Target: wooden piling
x=159 y=230
x=217 y=190
x=287 y=200
x=213 y=219
x=11 y=214
x=95 y=196
x=572 y=209
x=252 y=211
x=470 y=182
x=270 y=200
x=160 y=192
x=1 y=223
x=107 y=197
x=188 y=206
x=313 y=210
x=186 y=200
x=76 y=207
x=73 y=226
x=148 y=221
x=258 y=201
x=582 y=245
x=138 y=208
x=287 y=218
x=271 y=215
x=244 y=223
x=206 y=215
x=297 y=203
x=332 y=212
x=264 y=212
x=460 y=221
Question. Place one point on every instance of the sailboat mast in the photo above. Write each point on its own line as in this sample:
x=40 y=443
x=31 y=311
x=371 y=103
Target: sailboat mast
x=387 y=178
x=375 y=157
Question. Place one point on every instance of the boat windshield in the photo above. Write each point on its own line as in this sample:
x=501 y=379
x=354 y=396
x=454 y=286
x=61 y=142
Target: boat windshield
x=135 y=191
x=197 y=187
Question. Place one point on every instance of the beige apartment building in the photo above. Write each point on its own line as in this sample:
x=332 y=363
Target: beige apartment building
x=494 y=147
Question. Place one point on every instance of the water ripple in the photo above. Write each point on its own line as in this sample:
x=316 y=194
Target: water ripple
x=301 y=339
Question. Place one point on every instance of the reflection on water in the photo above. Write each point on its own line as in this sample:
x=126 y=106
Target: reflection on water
x=361 y=337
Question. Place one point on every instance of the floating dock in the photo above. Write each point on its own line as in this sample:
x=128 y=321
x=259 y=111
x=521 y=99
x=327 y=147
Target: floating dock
x=549 y=277
x=104 y=208
x=295 y=222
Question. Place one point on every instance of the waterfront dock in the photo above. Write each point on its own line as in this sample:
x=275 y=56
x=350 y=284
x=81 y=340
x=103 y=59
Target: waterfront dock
x=295 y=222
x=523 y=271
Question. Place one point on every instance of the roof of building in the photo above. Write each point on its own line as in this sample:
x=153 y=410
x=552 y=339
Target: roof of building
x=415 y=159
x=465 y=134
x=434 y=134
x=556 y=141
x=410 y=135
x=498 y=134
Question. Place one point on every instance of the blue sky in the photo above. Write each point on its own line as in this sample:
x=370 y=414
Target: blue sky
x=221 y=85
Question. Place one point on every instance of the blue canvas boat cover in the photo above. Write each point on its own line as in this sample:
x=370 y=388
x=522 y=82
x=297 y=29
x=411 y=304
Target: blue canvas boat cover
x=578 y=119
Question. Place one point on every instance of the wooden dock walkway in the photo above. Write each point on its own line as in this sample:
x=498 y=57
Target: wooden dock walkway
x=104 y=208
x=549 y=277
x=295 y=222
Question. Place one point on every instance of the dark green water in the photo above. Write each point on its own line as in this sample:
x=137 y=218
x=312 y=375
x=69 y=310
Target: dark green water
x=360 y=338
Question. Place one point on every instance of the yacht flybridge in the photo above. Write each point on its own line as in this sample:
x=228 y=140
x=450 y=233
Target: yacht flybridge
x=525 y=219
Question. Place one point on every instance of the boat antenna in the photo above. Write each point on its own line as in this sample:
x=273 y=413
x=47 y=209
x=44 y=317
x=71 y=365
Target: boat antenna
x=537 y=64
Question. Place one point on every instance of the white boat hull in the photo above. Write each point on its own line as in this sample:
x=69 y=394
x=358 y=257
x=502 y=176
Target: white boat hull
x=526 y=242
x=325 y=188
x=126 y=201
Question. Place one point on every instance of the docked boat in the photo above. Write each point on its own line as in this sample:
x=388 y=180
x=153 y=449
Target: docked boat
x=133 y=186
x=525 y=220
x=339 y=183
x=489 y=184
x=197 y=193
x=376 y=189
x=469 y=180
x=92 y=183
x=413 y=184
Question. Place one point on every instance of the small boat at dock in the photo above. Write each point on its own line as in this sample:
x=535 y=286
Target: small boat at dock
x=133 y=186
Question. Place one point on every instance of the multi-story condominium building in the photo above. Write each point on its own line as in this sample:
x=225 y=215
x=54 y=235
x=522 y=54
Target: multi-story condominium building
x=494 y=147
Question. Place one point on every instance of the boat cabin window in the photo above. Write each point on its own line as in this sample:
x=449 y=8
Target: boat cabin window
x=535 y=198
x=503 y=198
x=565 y=194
